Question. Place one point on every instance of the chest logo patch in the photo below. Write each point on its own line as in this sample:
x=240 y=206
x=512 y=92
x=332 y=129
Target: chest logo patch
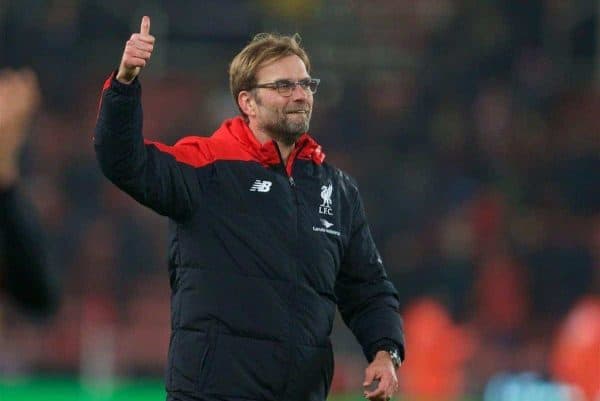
x=261 y=186
x=325 y=207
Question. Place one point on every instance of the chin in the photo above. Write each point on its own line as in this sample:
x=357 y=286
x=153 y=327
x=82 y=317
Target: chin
x=289 y=139
x=301 y=127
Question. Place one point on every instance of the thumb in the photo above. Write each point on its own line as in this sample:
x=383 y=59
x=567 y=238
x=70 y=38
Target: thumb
x=145 y=26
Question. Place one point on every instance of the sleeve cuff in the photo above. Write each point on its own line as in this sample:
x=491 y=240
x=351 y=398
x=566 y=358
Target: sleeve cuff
x=132 y=89
x=384 y=345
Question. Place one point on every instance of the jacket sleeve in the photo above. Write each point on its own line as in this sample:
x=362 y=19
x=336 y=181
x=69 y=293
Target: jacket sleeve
x=150 y=172
x=367 y=299
x=26 y=277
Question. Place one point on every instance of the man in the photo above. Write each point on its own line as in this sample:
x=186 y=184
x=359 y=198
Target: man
x=266 y=238
x=24 y=272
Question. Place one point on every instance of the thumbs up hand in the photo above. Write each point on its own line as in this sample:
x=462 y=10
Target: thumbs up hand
x=138 y=50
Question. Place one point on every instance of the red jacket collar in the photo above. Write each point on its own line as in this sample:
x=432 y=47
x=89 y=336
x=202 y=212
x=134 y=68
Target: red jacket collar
x=305 y=148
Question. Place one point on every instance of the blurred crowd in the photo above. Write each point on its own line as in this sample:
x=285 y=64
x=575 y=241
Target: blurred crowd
x=472 y=128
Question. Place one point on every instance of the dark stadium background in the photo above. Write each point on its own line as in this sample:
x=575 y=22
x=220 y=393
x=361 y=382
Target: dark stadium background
x=472 y=127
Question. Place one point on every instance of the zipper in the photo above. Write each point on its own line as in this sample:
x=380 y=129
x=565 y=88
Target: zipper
x=282 y=164
x=296 y=251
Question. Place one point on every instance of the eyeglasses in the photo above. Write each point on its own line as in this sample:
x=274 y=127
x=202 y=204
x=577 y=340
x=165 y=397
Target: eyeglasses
x=285 y=87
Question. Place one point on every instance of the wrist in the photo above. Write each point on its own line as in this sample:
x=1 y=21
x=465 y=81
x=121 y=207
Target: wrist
x=124 y=75
x=391 y=354
x=123 y=78
x=132 y=88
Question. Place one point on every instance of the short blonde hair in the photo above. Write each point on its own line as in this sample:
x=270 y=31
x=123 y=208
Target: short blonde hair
x=264 y=47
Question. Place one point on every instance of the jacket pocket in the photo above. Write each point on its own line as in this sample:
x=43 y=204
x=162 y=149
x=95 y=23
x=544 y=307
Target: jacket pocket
x=247 y=368
x=188 y=355
x=313 y=372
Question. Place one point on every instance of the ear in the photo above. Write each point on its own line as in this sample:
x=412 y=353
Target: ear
x=247 y=103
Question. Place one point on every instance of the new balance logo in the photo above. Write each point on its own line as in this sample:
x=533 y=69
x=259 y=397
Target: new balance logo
x=261 y=186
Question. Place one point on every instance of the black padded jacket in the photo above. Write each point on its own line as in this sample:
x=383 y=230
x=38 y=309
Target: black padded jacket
x=260 y=255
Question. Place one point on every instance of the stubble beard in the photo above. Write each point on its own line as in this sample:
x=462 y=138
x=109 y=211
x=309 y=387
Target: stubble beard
x=287 y=128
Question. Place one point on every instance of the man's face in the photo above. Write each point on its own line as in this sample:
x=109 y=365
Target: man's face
x=283 y=118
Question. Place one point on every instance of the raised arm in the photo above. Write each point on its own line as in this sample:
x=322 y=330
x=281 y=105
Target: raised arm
x=156 y=175
x=24 y=270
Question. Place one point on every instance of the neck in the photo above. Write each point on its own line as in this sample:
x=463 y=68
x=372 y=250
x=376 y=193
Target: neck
x=262 y=137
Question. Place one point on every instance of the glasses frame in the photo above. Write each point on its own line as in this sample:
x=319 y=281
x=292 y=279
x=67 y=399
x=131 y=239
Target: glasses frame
x=285 y=87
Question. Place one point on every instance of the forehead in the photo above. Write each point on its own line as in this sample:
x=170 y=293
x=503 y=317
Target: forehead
x=289 y=67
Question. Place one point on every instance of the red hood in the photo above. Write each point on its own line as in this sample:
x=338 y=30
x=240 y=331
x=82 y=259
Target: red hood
x=305 y=148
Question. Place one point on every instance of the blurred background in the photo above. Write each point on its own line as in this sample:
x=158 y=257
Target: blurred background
x=472 y=127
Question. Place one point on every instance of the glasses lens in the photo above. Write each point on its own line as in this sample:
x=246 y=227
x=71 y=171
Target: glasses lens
x=285 y=88
x=305 y=84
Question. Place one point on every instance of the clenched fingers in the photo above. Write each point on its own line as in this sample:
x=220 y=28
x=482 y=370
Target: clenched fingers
x=137 y=53
x=142 y=39
x=383 y=392
x=387 y=385
x=19 y=92
x=140 y=43
x=134 y=50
